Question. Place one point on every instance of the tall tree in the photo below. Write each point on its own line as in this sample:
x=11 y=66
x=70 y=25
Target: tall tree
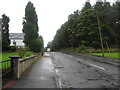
x=86 y=6
x=72 y=23
x=5 y=32
x=82 y=26
x=87 y=29
x=30 y=24
x=116 y=22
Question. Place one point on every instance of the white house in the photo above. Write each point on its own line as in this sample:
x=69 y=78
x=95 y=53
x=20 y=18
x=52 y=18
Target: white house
x=16 y=39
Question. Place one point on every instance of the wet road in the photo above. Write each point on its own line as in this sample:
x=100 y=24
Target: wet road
x=75 y=72
x=39 y=75
x=60 y=70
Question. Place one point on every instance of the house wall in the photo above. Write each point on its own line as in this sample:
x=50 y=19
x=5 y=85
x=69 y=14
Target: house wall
x=19 y=42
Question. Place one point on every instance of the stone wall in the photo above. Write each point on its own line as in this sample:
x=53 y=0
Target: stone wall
x=20 y=65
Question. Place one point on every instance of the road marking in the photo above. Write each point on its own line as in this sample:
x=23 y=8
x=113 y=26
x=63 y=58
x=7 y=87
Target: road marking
x=100 y=68
x=97 y=66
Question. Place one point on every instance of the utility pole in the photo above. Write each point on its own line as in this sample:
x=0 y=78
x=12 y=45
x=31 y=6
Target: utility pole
x=100 y=35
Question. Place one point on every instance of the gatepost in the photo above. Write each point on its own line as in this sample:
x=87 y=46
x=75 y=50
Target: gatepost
x=15 y=66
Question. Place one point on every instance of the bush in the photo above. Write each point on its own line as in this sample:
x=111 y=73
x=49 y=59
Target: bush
x=12 y=48
x=24 y=52
x=37 y=45
x=83 y=49
x=27 y=54
x=21 y=51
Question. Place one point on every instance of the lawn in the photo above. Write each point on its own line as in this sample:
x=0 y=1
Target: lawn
x=113 y=54
x=5 y=56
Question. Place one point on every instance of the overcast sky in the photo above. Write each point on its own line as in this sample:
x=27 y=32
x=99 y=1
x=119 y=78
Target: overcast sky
x=51 y=14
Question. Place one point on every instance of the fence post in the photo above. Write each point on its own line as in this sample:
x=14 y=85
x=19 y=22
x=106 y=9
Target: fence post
x=15 y=66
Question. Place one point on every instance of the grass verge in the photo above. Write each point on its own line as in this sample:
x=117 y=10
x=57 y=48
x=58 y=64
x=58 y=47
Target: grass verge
x=112 y=54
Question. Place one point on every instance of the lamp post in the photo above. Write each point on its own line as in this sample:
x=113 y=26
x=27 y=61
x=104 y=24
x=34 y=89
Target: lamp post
x=100 y=35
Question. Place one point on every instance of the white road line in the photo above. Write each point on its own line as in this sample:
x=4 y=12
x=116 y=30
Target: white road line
x=100 y=68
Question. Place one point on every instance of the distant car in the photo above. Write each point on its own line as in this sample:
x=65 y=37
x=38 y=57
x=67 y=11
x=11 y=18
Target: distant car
x=48 y=49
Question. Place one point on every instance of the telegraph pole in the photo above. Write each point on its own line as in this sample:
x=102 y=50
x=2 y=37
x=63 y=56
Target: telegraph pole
x=100 y=35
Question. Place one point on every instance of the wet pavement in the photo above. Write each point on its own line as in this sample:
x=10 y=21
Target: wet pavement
x=74 y=72
x=39 y=75
x=60 y=70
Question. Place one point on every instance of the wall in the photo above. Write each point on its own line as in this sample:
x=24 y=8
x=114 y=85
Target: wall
x=19 y=42
x=20 y=65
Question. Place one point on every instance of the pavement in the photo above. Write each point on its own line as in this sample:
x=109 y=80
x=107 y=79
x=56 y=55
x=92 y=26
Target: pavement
x=39 y=75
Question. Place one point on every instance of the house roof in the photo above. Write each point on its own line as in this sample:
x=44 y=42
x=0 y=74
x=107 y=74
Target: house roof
x=16 y=36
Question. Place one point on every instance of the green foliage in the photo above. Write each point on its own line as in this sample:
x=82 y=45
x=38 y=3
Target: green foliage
x=5 y=32
x=30 y=29
x=82 y=48
x=113 y=54
x=6 y=55
x=37 y=45
x=27 y=54
x=49 y=45
x=81 y=29
x=30 y=33
x=24 y=52
x=30 y=24
x=13 y=48
x=86 y=6
x=21 y=51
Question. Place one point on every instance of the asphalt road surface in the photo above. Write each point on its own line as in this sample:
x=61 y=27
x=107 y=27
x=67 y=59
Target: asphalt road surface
x=78 y=72
x=60 y=70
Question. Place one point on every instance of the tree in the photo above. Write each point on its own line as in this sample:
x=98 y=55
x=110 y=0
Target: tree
x=86 y=32
x=99 y=5
x=82 y=27
x=115 y=21
x=49 y=45
x=5 y=32
x=86 y=6
x=37 y=45
x=61 y=39
x=72 y=24
x=30 y=25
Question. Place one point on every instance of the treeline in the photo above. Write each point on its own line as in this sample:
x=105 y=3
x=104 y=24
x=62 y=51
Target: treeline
x=33 y=42
x=82 y=29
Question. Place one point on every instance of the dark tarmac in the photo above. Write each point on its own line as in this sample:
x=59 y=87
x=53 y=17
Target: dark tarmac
x=75 y=72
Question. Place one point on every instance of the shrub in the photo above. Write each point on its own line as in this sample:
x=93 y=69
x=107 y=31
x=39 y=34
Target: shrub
x=37 y=45
x=27 y=54
x=21 y=51
x=12 y=48
x=83 y=49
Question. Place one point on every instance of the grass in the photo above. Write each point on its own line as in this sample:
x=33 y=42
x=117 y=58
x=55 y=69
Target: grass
x=6 y=55
x=112 y=54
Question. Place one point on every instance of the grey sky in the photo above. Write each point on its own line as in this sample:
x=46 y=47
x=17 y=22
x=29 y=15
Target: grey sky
x=51 y=14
